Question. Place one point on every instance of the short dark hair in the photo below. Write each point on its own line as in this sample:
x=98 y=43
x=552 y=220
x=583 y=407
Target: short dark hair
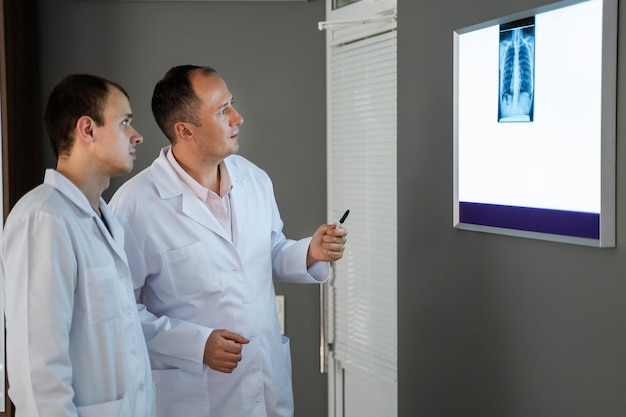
x=174 y=99
x=75 y=96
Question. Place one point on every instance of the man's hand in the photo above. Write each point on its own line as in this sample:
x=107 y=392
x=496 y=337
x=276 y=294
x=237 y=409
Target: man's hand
x=222 y=350
x=327 y=244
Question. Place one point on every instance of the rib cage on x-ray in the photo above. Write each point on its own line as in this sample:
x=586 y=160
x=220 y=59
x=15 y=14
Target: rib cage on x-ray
x=517 y=74
x=516 y=83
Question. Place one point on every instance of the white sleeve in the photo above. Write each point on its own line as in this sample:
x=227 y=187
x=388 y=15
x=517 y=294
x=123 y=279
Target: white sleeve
x=39 y=269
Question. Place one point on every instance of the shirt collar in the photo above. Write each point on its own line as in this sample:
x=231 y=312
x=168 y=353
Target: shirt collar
x=202 y=192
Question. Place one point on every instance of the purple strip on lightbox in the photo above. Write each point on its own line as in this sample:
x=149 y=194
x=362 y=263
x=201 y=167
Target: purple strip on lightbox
x=556 y=222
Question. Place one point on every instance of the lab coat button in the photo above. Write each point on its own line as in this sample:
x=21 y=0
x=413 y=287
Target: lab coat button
x=141 y=386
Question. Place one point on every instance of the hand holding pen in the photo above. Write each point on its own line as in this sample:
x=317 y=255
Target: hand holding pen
x=328 y=242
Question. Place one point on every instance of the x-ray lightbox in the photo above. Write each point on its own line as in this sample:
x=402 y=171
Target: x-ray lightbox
x=534 y=124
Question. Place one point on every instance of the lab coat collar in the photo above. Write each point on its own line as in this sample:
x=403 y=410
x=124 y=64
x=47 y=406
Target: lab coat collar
x=114 y=235
x=169 y=185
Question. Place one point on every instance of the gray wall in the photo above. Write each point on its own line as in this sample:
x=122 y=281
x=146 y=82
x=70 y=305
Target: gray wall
x=490 y=325
x=272 y=56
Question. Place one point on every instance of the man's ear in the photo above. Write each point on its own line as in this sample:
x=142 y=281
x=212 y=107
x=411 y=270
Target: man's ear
x=183 y=131
x=85 y=127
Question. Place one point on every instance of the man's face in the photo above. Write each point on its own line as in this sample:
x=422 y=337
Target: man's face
x=218 y=130
x=117 y=138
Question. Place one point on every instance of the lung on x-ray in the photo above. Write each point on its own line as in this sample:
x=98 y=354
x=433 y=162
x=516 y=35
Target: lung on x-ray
x=517 y=71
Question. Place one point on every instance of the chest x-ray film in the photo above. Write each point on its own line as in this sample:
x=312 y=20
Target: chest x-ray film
x=534 y=123
x=516 y=79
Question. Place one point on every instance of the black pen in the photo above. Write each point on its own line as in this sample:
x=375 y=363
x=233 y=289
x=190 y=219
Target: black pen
x=343 y=218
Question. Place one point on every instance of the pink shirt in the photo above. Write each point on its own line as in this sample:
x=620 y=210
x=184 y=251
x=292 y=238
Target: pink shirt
x=219 y=205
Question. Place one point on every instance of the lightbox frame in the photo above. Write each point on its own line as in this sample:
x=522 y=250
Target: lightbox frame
x=606 y=226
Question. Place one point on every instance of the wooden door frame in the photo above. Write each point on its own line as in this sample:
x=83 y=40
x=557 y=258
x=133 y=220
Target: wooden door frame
x=21 y=146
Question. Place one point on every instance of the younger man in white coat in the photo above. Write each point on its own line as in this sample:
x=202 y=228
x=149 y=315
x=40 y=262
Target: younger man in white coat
x=74 y=342
x=204 y=240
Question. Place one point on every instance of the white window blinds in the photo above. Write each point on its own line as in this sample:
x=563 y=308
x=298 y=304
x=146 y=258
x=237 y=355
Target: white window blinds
x=362 y=178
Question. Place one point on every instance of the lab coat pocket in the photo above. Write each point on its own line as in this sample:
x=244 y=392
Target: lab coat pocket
x=108 y=409
x=102 y=301
x=192 y=271
x=287 y=394
x=180 y=393
x=287 y=355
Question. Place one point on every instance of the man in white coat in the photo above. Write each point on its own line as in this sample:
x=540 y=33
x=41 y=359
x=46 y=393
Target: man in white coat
x=204 y=239
x=75 y=346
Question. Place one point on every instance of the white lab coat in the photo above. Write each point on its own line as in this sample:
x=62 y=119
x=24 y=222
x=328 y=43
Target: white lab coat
x=74 y=342
x=190 y=275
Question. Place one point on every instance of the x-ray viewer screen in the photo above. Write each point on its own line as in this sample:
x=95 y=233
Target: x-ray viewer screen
x=529 y=103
